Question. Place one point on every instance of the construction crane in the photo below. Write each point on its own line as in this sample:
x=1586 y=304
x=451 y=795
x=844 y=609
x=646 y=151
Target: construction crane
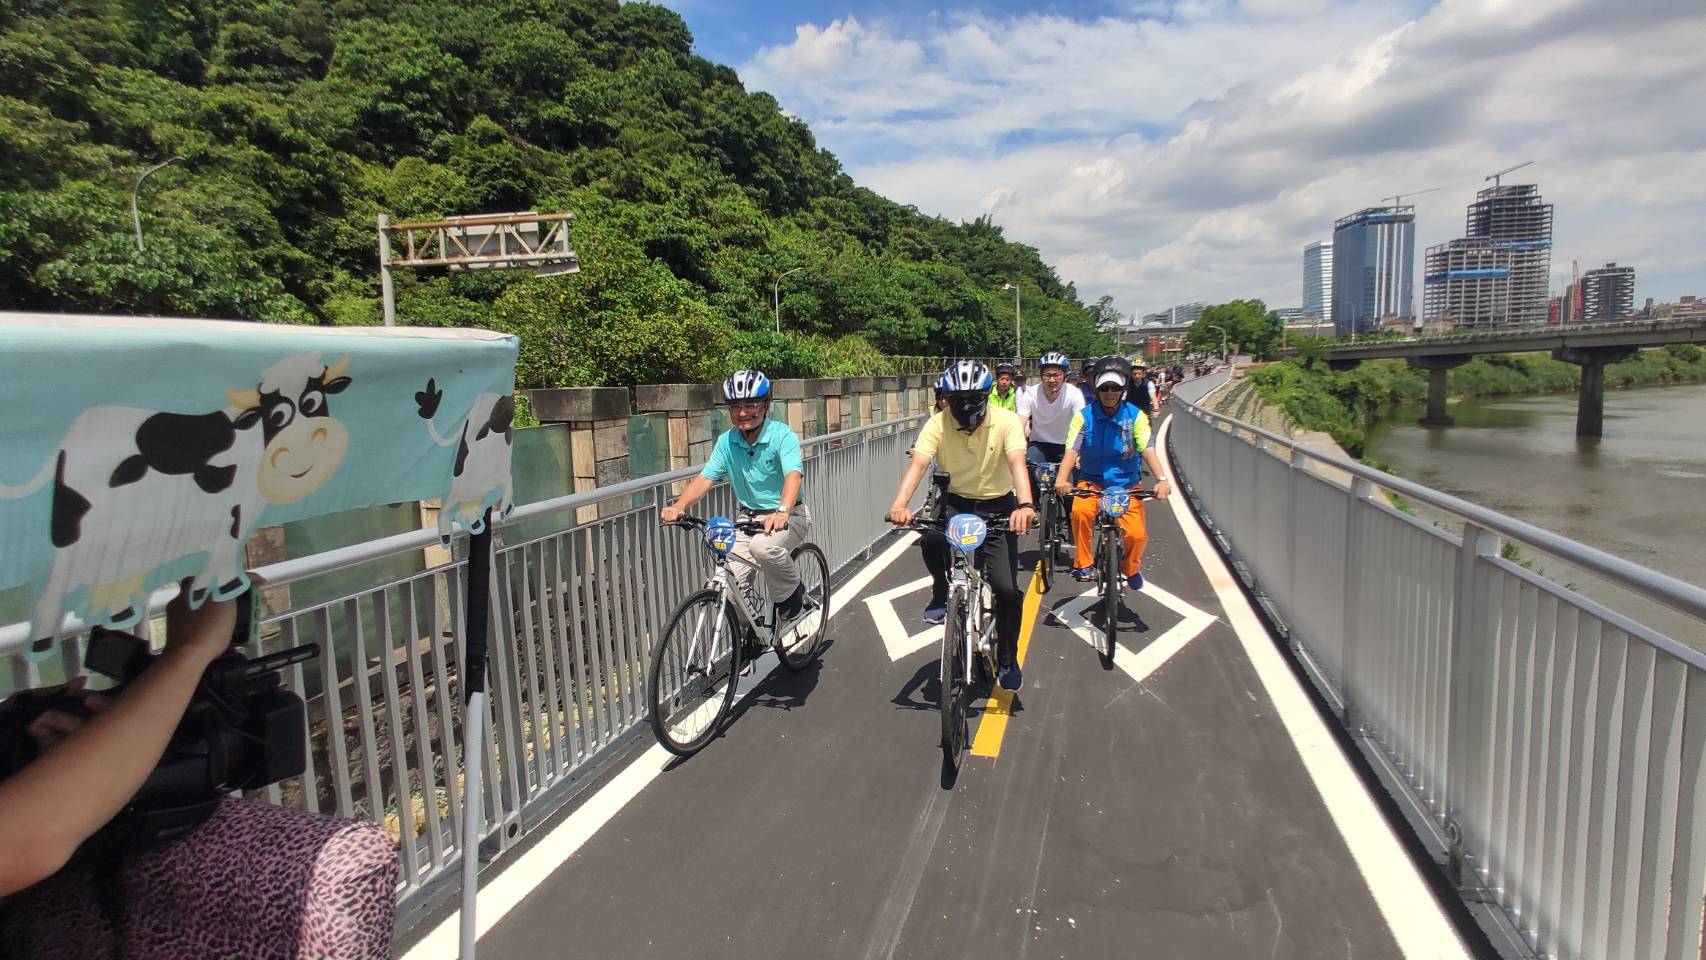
x=1398 y=198
x=1495 y=176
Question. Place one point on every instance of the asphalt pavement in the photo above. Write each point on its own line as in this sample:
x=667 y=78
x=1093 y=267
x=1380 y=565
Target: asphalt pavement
x=1154 y=806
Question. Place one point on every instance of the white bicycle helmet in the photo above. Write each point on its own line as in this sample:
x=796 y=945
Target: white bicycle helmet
x=1054 y=358
x=745 y=385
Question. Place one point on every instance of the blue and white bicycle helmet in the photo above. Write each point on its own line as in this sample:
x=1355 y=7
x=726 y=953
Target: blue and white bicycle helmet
x=966 y=385
x=745 y=385
x=964 y=376
x=1054 y=358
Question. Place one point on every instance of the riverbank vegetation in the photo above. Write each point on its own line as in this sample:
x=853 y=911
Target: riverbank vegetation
x=294 y=123
x=1343 y=403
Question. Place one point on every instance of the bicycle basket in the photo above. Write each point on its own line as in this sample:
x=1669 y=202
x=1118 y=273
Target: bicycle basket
x=966 y=532
x=720 y=535
x=1116 y=501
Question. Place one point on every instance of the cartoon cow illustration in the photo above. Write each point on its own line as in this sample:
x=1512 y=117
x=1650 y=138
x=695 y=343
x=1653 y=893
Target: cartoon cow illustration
x=482 y=467
x=134 y=489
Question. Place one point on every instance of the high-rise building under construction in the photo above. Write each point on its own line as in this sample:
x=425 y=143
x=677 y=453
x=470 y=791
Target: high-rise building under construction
x=1465 y=283
x=1515 y=216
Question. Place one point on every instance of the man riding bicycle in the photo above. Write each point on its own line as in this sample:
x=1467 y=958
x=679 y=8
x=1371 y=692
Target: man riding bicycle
x=1006 y=394
x=1047 y=410
x=982 y=449
x=1103 y=443
x=761 y=459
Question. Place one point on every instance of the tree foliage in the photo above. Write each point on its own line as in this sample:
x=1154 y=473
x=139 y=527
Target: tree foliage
x=299 y=121
x=1249 y=325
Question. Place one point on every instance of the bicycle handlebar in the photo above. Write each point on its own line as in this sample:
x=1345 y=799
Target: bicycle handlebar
x=743 y=524
x=922 y=524
x=1097 y=494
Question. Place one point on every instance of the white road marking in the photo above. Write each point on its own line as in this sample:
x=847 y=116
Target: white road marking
x=506 y=891
x=1405 y=901
x=1152 y=657
x=896 y=637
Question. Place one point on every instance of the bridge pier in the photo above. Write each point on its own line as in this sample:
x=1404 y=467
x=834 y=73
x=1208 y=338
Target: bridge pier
x=1436 y=366
x=1590 y=393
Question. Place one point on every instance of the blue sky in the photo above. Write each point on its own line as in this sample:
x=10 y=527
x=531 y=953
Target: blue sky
x=1163 y=151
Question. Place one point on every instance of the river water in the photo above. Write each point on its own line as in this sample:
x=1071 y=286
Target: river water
x=1639 y=492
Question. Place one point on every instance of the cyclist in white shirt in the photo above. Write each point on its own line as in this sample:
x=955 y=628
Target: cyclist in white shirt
x=1046 y=409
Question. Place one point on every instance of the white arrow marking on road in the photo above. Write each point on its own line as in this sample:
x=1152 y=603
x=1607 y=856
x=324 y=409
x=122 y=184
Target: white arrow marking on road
x=900 y=641
x=1141 y=664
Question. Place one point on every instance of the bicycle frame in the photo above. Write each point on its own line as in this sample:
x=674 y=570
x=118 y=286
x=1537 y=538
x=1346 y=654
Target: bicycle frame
x=965 y=584
x=722 y=581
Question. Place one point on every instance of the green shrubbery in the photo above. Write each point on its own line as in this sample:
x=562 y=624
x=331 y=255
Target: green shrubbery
x=298 y=121
x=1343 y=403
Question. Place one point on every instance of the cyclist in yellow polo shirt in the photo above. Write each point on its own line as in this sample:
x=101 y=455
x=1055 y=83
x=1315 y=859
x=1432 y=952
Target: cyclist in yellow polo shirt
x=981 y=447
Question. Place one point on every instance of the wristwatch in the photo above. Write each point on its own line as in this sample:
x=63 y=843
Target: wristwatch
x=1026 y=506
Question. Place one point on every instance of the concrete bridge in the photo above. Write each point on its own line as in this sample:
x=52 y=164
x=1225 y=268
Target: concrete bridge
x=1590 y=347
x=1329 y=729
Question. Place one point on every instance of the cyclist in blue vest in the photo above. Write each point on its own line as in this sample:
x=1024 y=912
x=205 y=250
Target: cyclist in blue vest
x=1105 y=444
x=761 y=460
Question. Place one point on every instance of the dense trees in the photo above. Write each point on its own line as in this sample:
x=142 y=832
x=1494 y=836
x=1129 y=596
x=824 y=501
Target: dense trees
x=1248 y=324
x=298 y=121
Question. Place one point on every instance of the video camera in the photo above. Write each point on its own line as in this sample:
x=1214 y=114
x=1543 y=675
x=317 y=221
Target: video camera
x=241 y=730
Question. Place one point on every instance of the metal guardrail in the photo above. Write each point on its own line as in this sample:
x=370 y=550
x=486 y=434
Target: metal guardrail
x=574 y=615
x=1555 y=746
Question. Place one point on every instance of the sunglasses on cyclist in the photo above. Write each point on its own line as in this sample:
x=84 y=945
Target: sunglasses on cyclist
x=1104 y=388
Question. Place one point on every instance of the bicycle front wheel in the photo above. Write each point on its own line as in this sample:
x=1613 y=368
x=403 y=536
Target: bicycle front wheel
x=692 y=680
x=804 y=640
x=1111 y=546
x=953 y=694
x=1046 y=540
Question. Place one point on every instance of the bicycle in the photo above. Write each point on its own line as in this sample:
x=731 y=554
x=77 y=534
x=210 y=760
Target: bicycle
x=968 y=633
x=1052 y=522
x=1110 y=542
x=712 y=635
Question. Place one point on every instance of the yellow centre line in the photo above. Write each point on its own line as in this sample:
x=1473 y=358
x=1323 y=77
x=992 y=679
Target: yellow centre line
x=993 y=725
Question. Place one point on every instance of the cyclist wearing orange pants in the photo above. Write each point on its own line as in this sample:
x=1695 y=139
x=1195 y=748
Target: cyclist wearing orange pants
x=1103 y=444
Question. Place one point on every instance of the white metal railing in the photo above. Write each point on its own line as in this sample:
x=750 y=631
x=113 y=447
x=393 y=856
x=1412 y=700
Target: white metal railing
x=574 y=613
x=1561 y=741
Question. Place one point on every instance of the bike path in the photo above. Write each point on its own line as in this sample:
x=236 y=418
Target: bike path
x=1169 y=816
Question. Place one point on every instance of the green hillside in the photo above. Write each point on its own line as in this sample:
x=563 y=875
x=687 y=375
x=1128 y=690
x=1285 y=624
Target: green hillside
x=299 y=121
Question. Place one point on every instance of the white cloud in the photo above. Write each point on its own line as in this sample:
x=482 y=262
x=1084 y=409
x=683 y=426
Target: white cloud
x=1190 y=152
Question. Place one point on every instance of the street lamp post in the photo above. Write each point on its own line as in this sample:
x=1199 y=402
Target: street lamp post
x=135 y=215
x=776 y=296
x=1222 y=338
x=1018 y=324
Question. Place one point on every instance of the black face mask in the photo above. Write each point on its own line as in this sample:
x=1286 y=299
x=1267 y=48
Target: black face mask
x=968 y=409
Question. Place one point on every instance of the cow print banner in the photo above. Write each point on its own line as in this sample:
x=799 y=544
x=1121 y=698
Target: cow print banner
x=136 y=452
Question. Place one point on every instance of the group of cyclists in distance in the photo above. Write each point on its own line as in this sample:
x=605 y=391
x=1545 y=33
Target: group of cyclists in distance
x=984 y=445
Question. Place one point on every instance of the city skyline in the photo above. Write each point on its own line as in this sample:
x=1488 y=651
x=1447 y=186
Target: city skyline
x=1259 y=122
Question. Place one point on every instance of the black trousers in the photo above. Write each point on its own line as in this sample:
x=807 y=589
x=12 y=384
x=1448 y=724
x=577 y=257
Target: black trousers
x=999 y=560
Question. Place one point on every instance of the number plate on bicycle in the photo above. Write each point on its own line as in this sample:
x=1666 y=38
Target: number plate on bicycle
x=966 y=532
x=1116 y=501
x=720 y=535
x=1045 y=474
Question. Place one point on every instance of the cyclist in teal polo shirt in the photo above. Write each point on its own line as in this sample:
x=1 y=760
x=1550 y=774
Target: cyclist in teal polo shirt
x=761 y=460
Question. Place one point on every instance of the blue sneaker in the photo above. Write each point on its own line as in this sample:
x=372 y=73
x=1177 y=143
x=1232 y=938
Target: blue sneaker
x=936 y=613
x=1084 y=574
x=1011 y=678
x=1135 y=581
